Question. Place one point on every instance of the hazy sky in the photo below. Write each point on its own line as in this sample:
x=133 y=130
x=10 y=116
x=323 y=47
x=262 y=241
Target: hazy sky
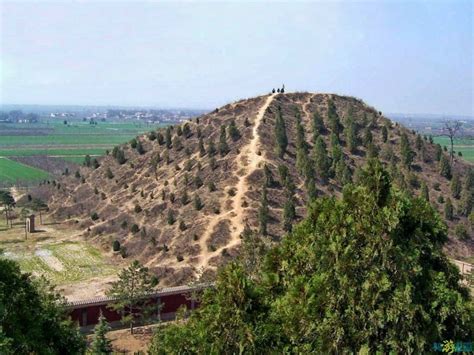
x=410 y=56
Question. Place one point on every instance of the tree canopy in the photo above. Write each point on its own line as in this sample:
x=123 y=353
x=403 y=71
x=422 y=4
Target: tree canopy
x=362 y=273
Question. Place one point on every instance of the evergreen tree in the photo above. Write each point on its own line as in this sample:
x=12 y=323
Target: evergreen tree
x=140 y=148
x=336 y=149
x=445 y=167
x=425 y=192
x=448 y=210
x=100 y=344
x=87 y=160
x=211 y=149
x=384 y=134
x=160 y=139
x=456 y=186
x=350 y=133
x=233 y=131
x=177 y=143
x=179 y=131
x=223 y=146
x=185 y=197
x=197 y=202
x=168 y=137
x=289 y=214
x=186 y=130
x=171 y=218
x=367 y=136
x=301 y=145
x=268 y=176
x=407 y=154
x=263 y=212
x=317 y=125
x=321 y=160
x=419 y=142
x=213 y=163
x=343 y=173
x=280 y=134
x=333 y=119
x=438 y=152
x=372 y=151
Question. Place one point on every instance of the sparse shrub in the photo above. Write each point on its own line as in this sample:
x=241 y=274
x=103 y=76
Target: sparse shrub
x=461 y=231
x=140 y=148
x=123 y=252
x=216 y=210
x=198 y=181
x=213 y=163
x=124 y=225
x=195 y=237
x=103 y=196
x=440 y=199
x=135 y=228
x=109 y=173
x=185 y=198
x=94 y=216
x=96 y=191
x=171 y=219
x=172 y=197
x=225 y=252
x=182 y=226
x=212 y=247
x=231 y=192
x=179 y=258
x=152 y=135
x=116 y=245
x=436 y=186
x=197 y=202
x=133 y=143
x=77 y=175
x=211 y=186
x=143 y=232
x=137 y=209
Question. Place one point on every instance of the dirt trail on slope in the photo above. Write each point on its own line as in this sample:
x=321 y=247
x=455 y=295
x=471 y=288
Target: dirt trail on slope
x=247 y=161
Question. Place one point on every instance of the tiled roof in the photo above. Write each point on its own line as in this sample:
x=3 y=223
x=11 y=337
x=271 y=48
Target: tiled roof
x=162 y=292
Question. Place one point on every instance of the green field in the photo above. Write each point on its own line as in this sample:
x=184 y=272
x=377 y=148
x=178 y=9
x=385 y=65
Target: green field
x=71 y=142
x=463 y=145
x=12 y=171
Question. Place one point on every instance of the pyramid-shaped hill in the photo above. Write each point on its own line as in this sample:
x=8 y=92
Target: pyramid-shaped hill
x=178 y=199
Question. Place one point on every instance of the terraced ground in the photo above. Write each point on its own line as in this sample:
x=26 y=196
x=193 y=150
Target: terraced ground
x=463 y=145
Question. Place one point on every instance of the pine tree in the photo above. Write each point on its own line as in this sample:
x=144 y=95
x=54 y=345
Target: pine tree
x=343 y=173
x=186 y=130
x=336 y=149
x=185 y=197
x=438 y=152
x=372 y=151
x=197 y=202
x=350 y=133
x=333 y=118
x=140 y=148
x=268 y=176
x=317 y=125
x=289 y=213
x=263 y=212
x=160 y=139
x=419 y=142
x=223 y=146
x=280 y=134
x=168 y=137
x=171 y=219
x=233 y=131
x=367 y=136
x=321 y=160
x=100 y=344
x=211 y=149
x=177 y=143
x=301 y=145
x=384 y=134
x=448 y=210
x=456 y=186
x=445 y=167
x=407 y=155
x=425 y=192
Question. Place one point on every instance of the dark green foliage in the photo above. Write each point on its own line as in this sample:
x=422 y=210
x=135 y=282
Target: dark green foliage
x=336 y=149
x=130 y=290
x=461 y=231
x=301 y=145
x=197 y=202
x=94 y=216
x=140 y=149
x=182 y=226
x=440 y=199
x=135 y=228
x=119 y=155
x=152 y=135
x=317 y=125
x=372 y=151
x=233 y=131
x=263 y=212
x=100 y=344
x=160 y=139
x=280 y=134
x=223 y=146
x=419 y=142
x=177 y=143
x=289 y=213
x=179 y=131
x=186 y=130
x=425 y=192
x=198 y=181
x=116 y=245
x=211 y=149
x=77 y=175
x=333 y=119
x=87 y=160
x=168 y=137
x=448 y=210
x=202 y=150
x=367 y=136
x=213 y=163
x=456 y=186
x=185 y=197
x=407 y=154
x=133 y=143
x=34 y=317
x=343 y=173
x=438 y=152
x=445 y=167
x=171 y=218
x=350 y=132
x=137 y=208
x=95 y=163
x=351 y=278
x=283 y=172
x=268 y=176
x=211 y=186
x=321 y=160
x=384 y=134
